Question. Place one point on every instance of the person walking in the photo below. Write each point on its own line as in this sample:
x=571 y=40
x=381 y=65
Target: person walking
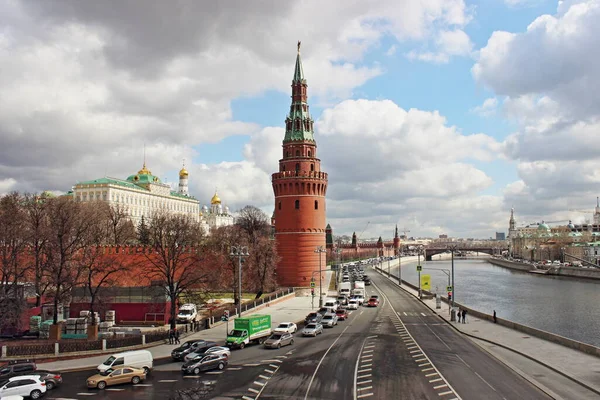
x=177 y=337
x=464 y=316
x=495 y=320
x=170 y=336
x=459 y=314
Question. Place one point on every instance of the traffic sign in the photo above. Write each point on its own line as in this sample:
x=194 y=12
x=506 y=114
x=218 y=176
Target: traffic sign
x=448 y=288
x=419 y=268
x=312 y=284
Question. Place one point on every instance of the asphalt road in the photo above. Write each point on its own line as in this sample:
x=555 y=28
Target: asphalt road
x=469 y=372
x=397 y=350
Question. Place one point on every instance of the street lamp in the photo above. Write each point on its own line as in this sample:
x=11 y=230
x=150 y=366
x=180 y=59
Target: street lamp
x=389 y=248
x=400 y=267
x=320 y=250
x=240 y=252
x=419 y=250
x=452 y=316
x=447 y=272
x=338 y=275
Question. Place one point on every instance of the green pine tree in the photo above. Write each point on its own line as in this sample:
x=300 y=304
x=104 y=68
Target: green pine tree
x=143 y=233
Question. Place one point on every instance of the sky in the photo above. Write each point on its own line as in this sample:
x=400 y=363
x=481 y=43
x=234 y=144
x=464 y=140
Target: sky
x=437 y=116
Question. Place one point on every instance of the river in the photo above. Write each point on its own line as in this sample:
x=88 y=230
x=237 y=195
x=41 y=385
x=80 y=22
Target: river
x=568 y=307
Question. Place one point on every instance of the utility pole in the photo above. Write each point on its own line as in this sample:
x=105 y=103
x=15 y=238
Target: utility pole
x=320 y=250
x=239 y=252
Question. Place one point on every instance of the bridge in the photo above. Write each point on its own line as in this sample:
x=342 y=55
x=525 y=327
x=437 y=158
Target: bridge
x=429 y=252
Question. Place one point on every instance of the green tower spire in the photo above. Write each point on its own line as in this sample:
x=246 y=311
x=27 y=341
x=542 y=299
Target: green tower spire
x=299 y=124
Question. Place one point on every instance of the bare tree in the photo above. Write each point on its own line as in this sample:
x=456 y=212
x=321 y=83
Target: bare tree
x=254 y=222
x=262 y=263
x=120 y=228
x=70 y=222
x=176 y=257
x=13 y=267
x=37 y=228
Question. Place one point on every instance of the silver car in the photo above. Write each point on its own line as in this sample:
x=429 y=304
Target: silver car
x=278 y=339
x=312 y=329
x=329 y=320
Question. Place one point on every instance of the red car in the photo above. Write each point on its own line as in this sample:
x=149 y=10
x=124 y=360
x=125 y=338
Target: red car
x=373 y=302
x=341 y=314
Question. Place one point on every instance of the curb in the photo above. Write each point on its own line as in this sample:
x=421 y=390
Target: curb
x=571 y=378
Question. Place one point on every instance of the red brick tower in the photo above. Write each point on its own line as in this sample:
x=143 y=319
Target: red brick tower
x=300 y=189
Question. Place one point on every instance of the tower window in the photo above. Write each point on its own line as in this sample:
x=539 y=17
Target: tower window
x=310 y=153
x=316 y=204
x=287 y=153
x=279 y=205
x=312 y=167
x=297 y=153
x=283 y=168
x=297 y=167
x=297 y=204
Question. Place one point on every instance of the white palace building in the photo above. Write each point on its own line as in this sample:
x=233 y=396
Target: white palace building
x=142 y=194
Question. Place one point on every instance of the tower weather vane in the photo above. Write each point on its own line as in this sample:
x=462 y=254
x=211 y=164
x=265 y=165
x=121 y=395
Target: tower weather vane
x=299 y=43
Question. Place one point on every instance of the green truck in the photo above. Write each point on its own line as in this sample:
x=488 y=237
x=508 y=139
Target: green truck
x=253 y=328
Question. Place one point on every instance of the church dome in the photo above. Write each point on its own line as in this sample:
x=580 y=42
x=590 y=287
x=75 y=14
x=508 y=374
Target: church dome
x=215 y=199
x=144 y=171
x=183 y=173
x=204 y=209
x=543 y=227
x=570 y=226
x=226 y=209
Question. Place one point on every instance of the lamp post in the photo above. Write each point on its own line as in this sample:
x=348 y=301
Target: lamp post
x=338 y=276
x=452 y=316
x=447 y=272
x=240 y=252
x=320 y=250
x=400 y=267
x=419 y=250
x=389 y=248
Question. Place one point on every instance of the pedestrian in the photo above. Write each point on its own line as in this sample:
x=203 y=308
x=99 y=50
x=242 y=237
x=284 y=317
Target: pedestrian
x=170 y=336
x=495 y=320
x=459 y=314
x=177 y=337
x=464 y=316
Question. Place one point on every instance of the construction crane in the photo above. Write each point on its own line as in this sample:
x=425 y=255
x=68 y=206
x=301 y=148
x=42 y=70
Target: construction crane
x=363 y=231
x=405 y=231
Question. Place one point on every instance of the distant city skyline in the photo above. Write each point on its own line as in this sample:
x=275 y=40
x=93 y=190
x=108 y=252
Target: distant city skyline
x=436 y=117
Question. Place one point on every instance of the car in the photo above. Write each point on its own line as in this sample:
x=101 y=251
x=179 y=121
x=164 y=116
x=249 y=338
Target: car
x=373 y=302
x=16 y=367
x=325 y=310
x=186 y=348
x=187 y=313
x=279 y=339
x=311 y=317
x=343 y=300
x=367 y=282
x=288 y=327
x=352 y=305
x=24 y=385
x=342 y=314
x=312 y=329
x=360 y=299
x=199 y=348
x=52 y=379
x=220 y=350
x=204 y=362
x=116 y=376
x=329 y=320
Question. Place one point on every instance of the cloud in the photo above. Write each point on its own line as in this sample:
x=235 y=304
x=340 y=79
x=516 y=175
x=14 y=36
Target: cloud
x=448 y=44
x=488 y=108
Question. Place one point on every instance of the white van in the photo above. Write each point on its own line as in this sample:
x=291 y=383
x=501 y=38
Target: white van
x=331 y=303
x=137 y=358
x=187 y=313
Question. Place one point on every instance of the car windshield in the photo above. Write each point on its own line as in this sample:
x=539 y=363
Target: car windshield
x=311 y=326
x=185 y=312
x=327 y=317
x=275 y=337
x=237 y=333
x=283 y=326
x=109 y=361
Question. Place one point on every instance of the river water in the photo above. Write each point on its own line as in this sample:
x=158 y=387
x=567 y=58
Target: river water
x=568 y=307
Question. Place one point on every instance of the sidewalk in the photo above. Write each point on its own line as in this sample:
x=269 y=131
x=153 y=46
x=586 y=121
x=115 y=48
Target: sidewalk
x=575 y=365
x=293 y=309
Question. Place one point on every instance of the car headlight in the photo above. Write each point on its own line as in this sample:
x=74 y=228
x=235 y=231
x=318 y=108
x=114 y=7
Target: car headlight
x=92 y=382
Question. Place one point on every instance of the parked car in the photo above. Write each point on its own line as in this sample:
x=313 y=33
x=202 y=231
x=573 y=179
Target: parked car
x=312 y=317
x=279 y=339
x=52 y=379
x=137 y=359
x=373 y=302
x=312 y=329
x=352 y=304
x=199 y=348
x=187 y=313
x=204 y=362
x=116 y=376
x=25 y=385
x=289 y=327
x=186 y=348
x=220 y=350
x=325 y=310
x=329 y=320
x=342 y=314
x=16 y=367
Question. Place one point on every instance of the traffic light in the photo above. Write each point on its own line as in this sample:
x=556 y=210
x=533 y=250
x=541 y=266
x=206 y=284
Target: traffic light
x=449 y=296
x=312 y=291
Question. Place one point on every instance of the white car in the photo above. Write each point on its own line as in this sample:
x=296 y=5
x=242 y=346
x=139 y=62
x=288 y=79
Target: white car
x=288 y=327
x=219 y=350
x=360 y=299
x=25 y=385
x=352 y=305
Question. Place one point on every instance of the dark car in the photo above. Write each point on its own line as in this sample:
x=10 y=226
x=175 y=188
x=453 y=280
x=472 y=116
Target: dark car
x=191 y=346
x=52 y=379
x=342 y=314
x=204 y=362
x=17 y=367
x=310 y=317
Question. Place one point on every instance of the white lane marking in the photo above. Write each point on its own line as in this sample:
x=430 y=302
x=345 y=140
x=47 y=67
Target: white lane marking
x=480 y=377
x=365 y=357
x=367 y=365
x=463 y=361
x=366 y=388
x=367 y=351
x=365 y=370
x=270 y=361
x=312 y=378
x=433 y=374
x=212 y=373
x=273 y=366
x=405 y=314
x=361 y=312
x=417 y=355
x=234 y=368
x=167 y=380
x=369 y=346
x=412 y=347
x=424 y=364
x=264 y=377
x=423 y=314
x=364 y=382
x=269 y=371
x=259 y=383
x=365 y=395
x=253 y=391
x=251 y=365
x=114 y=390
x=421 y=359
x=138 y=385
x=414 y=351
x=247 y=398
x=435 y=380
x=280 y=356
x=87 y=394
x=359 y=377
x=440 y=386
x=445 y=393
x=371 y=337
x=427 y=369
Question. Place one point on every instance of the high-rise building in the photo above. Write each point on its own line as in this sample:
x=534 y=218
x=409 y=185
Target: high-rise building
x=299 y=187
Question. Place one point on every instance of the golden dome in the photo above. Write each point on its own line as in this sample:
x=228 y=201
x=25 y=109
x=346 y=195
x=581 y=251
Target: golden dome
x=183 y=173
x=144 y=171
x=215 y=199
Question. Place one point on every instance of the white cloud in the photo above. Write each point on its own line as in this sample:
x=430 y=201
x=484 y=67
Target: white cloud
x=391 y=51
x=448 y=43
x=7 y=185
x=488 y=108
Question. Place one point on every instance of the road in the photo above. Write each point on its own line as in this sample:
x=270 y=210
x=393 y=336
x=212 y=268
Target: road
x=400 y=347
